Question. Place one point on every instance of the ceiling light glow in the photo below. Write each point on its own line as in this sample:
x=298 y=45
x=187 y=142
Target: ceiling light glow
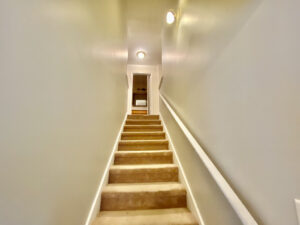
x=170 y=17
x=141 y=54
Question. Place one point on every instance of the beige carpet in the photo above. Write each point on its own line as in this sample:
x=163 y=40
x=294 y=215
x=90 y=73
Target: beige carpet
x=143 y=186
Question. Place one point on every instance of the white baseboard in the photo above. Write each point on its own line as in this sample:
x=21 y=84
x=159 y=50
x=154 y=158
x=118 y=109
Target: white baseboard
x=297 y=203
x=191 y=202
x=95 y=207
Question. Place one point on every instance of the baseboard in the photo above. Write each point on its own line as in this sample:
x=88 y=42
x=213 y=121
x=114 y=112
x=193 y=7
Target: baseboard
x=191 y=202
x=297 y=203
x=95 y=207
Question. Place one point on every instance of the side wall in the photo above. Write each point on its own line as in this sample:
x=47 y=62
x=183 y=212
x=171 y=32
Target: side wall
x=212 y=204
x=244 y=106
x=63 y=98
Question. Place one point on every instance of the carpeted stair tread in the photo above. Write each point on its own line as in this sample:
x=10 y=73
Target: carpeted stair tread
x=143 y=135
x=143 y=173
x=143 y=157
x=174 y=216
x=143 y=196
x=143 y=145
x=142 y=122
x=143 y=117
x=142 y=128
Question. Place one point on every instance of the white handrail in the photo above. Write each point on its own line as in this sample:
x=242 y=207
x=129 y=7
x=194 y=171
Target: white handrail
x=231 y=196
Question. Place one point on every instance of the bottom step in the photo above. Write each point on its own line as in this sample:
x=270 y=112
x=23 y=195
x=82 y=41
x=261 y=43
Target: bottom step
x=176 y=216
x=139 y=196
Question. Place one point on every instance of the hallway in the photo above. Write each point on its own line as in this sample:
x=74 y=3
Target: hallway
x=148 y=112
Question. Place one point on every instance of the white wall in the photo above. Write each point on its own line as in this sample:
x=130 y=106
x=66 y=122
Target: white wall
x=62 y=97
x=154 y=70
x=212 y=204
x=242 y=101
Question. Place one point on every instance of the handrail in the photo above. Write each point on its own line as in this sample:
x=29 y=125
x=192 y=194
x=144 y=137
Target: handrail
x=236 y=203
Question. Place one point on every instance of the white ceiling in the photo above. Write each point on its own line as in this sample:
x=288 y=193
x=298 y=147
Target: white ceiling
x=145 y=20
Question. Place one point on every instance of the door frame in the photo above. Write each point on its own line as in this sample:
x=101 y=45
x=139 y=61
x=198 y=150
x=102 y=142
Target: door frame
x=149 y=96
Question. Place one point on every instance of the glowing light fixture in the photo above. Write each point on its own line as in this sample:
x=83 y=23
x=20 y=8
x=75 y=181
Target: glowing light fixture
x=170 y=17
x=141 y=54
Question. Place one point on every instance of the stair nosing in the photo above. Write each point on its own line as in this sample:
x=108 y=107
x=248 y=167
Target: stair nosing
x=141 y=141
x=143 y=151
x=142 y=187
x=151 y=216
x=145 y=132
x=143 y=166
x=140 y=150
x=142 y=120
x=143 y=125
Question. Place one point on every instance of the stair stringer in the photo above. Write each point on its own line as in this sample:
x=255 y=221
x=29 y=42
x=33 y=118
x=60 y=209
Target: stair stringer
x=96 y=204
x=191 y=202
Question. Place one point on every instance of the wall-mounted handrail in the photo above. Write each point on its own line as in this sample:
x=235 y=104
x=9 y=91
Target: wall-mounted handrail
x=231 y=196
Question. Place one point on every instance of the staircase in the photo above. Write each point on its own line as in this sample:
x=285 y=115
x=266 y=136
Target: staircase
x=143 y=186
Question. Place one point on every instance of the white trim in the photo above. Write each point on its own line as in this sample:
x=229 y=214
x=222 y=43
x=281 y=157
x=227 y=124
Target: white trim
x=149 y=86
x=160 y=82
x=149 y=92
x=231 y=196
x=95 y=207
x=297 y=203
x=153 y=71
x=192 y=205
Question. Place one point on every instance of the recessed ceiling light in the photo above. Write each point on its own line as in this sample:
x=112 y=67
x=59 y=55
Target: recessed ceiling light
x=170 y=17
x=141 y=54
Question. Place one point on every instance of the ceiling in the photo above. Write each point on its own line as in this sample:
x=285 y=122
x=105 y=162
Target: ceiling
x=210 y=23
x=145 y=21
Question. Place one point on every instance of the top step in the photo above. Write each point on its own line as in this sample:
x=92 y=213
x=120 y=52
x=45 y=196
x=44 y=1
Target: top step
x=143 y=117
